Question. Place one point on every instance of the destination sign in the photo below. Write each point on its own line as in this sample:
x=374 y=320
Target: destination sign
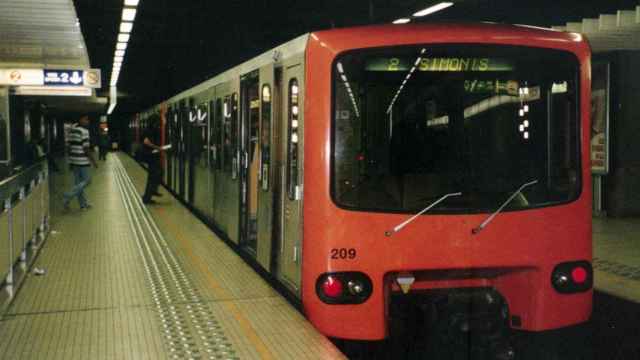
x=479 y=86
x=439 y=64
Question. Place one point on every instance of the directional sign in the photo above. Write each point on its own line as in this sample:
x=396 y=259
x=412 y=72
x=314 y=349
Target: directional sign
x=63 y=77
x=51 y=77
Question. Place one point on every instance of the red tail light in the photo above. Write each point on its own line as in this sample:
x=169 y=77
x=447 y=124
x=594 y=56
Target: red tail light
x=572 y=277
x=332 y=287
x=579 y=275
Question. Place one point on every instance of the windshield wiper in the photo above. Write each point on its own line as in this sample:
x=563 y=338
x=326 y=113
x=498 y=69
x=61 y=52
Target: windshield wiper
x=488 y=220
x=405 y=223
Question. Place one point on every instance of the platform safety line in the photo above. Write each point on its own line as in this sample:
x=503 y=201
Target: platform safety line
x=220 y=291
x=141 y=209
x=138 y=233
x=153 y=229
x=180 y=338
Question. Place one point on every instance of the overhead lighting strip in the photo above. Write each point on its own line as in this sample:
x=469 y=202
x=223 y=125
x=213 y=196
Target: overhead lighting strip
x=129 y=11
x=424 y=12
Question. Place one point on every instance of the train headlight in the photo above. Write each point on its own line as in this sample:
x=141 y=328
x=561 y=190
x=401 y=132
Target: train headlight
x=344 y=287
x=355 y=287
x=572 y=277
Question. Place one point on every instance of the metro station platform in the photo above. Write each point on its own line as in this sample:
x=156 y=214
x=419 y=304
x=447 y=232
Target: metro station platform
x=125 y=281
x=616 y=257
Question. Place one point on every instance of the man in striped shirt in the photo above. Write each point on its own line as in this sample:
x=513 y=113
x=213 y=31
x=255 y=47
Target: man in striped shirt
x=80 y=159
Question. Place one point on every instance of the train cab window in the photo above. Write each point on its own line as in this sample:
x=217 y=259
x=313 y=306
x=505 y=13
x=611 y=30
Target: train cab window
x=292 y=139
x=265 y=137
x=414 y=123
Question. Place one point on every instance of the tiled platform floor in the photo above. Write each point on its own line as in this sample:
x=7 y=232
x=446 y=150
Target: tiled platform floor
x=616 y=253
x=108 y=294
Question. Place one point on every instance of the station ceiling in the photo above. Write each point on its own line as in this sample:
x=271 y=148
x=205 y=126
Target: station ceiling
x=176 y=44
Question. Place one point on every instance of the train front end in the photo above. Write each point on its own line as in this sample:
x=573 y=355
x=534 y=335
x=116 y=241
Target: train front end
x=448 y=163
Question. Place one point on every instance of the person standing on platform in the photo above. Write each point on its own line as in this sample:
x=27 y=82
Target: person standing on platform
x=103 y=142
x=151 y=150
x=80 y=158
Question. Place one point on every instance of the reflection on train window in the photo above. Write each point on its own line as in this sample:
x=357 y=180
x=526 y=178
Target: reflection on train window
x=265 y=137
x=235 y=136
x=227 y=150
x=412 y=124
x=292 y=139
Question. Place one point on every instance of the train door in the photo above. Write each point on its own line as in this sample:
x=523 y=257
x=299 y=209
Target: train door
x=249 y=155
x=217 y=201
x=213 y=150
x=265 y=168
x=290 y=169
x=198 y=158
x=182 y=141
x=175 y=148
x=166 y=175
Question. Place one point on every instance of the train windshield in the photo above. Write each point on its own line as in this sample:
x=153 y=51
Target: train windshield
x=414 y=123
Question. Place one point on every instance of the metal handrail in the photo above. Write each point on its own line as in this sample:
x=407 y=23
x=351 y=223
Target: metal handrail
x=12 y=185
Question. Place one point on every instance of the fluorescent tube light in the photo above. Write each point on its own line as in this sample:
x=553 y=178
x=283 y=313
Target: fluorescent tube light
x=120 y=53
x=123 y=37
x=118 y=58
x=432 y=9
x=121 y=46
x=131 y=2
x=128 y=14
x=402 y=21
x=125 y=27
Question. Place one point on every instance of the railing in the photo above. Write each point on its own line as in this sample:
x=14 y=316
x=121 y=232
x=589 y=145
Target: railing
x=24 y=223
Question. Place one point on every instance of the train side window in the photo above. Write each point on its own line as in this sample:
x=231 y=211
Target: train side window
x=227 y=149
x=218 y=125
x=265 y=137
x=235 y=136
x=292 y=139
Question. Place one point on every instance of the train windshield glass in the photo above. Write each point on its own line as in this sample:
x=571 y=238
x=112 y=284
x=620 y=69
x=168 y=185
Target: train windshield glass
x=414 y=123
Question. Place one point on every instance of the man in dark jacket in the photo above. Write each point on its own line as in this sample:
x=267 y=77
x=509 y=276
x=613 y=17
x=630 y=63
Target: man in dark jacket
x=151 y=150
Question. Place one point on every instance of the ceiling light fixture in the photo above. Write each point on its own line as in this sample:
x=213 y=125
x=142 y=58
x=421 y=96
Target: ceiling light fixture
x=128 y=14
x=119 y=53
x=125 y=27
x=121 y=46
x=131 y=2
x=402 y=21
x=432 y=9
x=123 y=37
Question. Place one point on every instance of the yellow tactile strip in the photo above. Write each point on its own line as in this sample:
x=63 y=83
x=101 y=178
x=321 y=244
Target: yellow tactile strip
x=255 y=317
x=188 y=324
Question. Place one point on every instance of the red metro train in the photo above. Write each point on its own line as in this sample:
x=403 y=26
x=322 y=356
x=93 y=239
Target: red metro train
x=448 y=163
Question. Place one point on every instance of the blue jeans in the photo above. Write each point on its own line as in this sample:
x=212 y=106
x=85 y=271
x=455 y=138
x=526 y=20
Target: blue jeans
x=81 y=180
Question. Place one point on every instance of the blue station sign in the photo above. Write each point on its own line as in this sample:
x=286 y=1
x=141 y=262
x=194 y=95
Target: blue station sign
x=63 y=77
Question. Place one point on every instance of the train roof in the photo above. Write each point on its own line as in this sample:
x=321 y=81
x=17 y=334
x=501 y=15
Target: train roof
x=459 y=32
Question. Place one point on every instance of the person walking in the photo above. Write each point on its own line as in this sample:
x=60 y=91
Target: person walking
x=80 y=158
x=151 y=152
